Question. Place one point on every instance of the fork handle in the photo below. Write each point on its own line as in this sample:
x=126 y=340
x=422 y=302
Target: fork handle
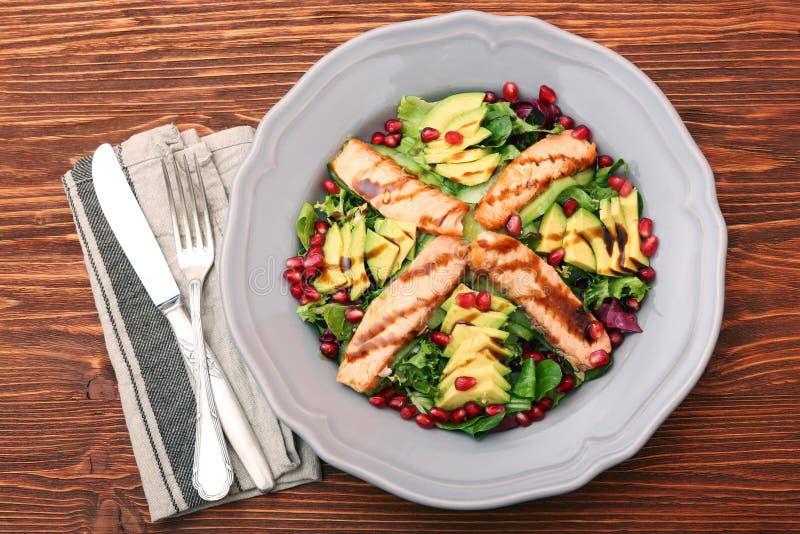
x=212 y=474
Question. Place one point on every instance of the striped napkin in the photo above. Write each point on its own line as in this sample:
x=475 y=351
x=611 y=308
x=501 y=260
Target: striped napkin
x=155 y=387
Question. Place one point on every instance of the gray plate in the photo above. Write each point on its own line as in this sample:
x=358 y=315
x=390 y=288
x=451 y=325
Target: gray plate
x=351 y=91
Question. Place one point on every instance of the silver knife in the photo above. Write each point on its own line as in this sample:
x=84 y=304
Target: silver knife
x=130 y=227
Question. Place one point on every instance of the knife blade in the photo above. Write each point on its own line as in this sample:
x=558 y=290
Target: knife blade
x=133 y=232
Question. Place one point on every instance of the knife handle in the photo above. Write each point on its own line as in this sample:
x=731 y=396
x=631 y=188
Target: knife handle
x=234 y=422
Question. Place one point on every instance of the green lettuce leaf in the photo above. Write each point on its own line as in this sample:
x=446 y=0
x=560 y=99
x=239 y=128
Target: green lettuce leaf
x=412 y=111
x=603 y=287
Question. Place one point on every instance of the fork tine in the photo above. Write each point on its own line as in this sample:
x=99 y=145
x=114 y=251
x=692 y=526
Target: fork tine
x=182 y=215
x=172 y=212
x=198 y=235
x=206 y=214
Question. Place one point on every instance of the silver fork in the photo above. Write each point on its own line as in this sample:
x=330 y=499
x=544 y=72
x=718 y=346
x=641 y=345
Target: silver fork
x=212 y=474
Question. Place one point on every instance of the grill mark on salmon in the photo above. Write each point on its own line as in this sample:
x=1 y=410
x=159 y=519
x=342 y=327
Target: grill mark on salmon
x=402 y=311
x=395 y=193
x=554 y=157
x=529 y=281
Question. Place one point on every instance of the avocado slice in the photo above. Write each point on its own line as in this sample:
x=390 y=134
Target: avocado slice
x=480 y=369
x=484 y=393
x=476 y=338
x=358 y=272
x=622 y=231
x=444 y=111
x=332 y=277
x=472 y=173
x=468 y=122
x=490 y=385
x=546 y=198
x=552 y=228
x=498 y=303
x=578 y=251
x=592 y=230
x=441 y=147
x=465 y=156
x=633 y=254
x=611 y=228
x=456 y=314
x=466 y=357
x=381 y=255
x=401 y=233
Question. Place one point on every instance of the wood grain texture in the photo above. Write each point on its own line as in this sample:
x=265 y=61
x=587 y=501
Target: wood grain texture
x=74 y=74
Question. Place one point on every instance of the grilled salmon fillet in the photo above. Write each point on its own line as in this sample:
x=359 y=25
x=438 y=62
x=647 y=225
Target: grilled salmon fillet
x=395 y=193
x=554 y=157
x=530 y=282
x=402 y=311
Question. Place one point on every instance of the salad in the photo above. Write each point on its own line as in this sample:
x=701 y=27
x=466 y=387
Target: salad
x=474 y=262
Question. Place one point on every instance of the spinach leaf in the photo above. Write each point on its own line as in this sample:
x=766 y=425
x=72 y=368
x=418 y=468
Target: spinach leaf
x=334 y=318
x=517 y=404
x=507 y=153
x=584 y=200
x=436 y=319
x=602 y=174
x=478 y=427
x=548 y=376
x=305 y=223
x=525 y=386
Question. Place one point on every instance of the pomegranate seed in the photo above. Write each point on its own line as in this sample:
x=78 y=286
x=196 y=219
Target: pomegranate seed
x=566 y=121
x=407 y=412
x=321 y=227
x=441 y=416
x=429 y=134
x=314 y=250
x=453 y=137
x=329 y=349
x=570 y=206
x=494 y=409
x=330 y=186
x=536 y=413
x=398 y=401
x=378 y=401
x=483 y=301
x=466 y=299
x=388 y=393
x=649 y=245
x=304 y=300
x=626 y=188
x=567 y=383
x=556 y=257
x=523 y=419
x=645 y=227
x=292 y=276
x=316 y=240
x=511 y=92
x=458 y=416
x=514 y=225
x=616 y=181
x=440 y=338
x=545 y=404
x=311 y=293
x=581 y=132
x=378 y=138
x=605 y=161
x=465 y=383
x=473 y=409
x=313 y=261
x=310 y=273
x=393 y=125
x=424 y=421
x=547 y=95
x=595 y=330
x=599 y=358
x=507 y=423
x=490 y=97
x=631 y=304
x=340 y=297
x=392 y=140
x=296 y=290
x=294 y=263
x=327 y=335
x=616 y=338
x=647 y=274
x=353 y=315
x=534 y=355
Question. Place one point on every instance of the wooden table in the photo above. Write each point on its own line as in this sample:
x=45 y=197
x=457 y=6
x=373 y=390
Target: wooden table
x=75 y=74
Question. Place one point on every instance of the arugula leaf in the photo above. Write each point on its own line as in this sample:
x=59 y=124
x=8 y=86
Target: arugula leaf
x=305 y=223
x=525 y=386
x=412 y=111
x=548 y=376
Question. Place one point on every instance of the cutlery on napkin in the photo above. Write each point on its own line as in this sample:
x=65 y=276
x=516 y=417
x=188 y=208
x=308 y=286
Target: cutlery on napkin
x=155 y=383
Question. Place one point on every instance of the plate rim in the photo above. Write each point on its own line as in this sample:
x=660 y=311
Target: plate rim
x=633 y=437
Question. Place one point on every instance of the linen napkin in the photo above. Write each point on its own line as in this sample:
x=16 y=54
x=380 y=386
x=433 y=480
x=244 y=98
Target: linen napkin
x=155 y=386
